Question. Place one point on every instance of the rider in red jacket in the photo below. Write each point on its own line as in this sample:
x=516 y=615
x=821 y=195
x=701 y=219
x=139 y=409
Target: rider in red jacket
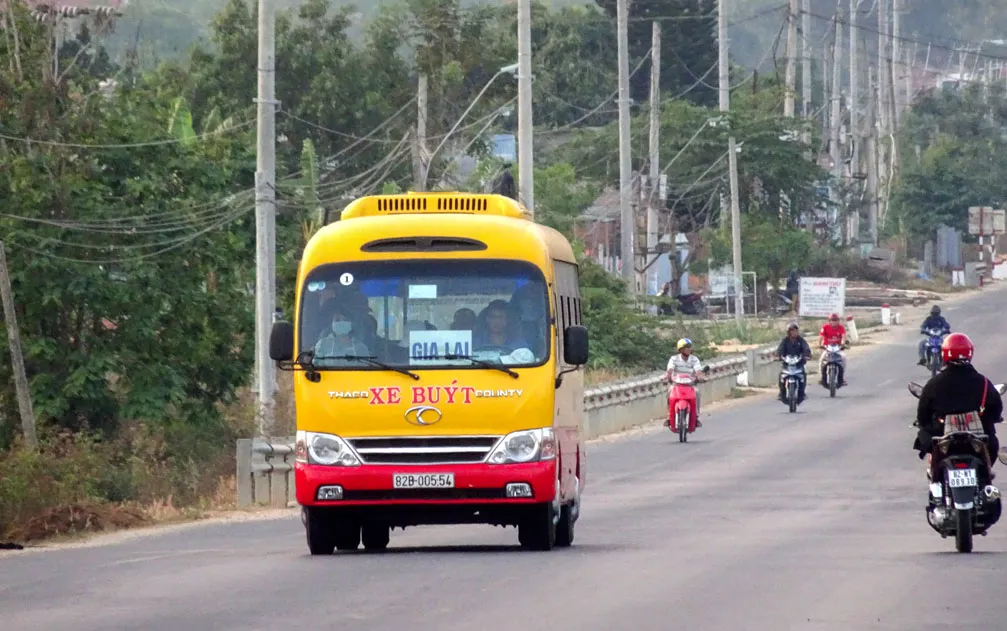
x=832 y=332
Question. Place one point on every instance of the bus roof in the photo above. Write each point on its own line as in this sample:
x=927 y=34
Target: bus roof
x=459 y=224
x=435 y=203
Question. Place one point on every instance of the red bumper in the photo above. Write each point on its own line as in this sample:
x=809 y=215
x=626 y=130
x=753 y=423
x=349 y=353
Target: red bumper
x=371 y=485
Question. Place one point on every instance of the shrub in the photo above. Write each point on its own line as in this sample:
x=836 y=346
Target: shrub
x=86 y=479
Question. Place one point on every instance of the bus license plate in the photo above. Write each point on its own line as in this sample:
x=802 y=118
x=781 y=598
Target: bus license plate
x=423 y=480
x=958 y=478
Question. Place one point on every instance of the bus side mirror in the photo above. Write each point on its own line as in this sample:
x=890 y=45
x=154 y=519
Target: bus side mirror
x=281 y=341
x=575 y=346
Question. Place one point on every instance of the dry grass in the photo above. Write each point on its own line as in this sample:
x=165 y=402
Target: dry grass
x=78 y=519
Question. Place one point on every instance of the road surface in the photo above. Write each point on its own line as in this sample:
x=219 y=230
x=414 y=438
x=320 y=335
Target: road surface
x=764 y=521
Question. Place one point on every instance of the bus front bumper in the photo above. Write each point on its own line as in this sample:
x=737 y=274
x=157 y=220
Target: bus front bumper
x=375 y=485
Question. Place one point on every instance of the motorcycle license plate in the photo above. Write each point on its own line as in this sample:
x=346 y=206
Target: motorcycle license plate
x=958 y=478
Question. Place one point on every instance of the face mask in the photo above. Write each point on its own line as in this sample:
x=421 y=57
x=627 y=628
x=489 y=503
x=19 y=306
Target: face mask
x=342 y=327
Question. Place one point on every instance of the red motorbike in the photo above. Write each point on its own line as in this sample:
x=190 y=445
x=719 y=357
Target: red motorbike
x=682 y=413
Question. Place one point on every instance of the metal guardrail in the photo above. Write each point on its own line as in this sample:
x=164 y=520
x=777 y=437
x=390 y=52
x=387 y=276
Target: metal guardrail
x=650 y=385
x=265 y=471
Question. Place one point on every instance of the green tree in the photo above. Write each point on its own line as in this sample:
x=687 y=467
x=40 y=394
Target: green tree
x=573 y=50
x=953 y=151
x=131 y=293
x=560 y=197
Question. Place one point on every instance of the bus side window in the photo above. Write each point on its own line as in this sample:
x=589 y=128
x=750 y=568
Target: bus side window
x=567 y=298
x=559 y=329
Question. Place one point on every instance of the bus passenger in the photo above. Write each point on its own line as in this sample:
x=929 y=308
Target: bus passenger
x=339 y=342
x=495 y=331
x=465 y=320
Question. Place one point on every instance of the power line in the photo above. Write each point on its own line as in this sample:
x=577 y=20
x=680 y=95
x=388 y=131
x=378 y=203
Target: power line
x=902 y=38
x=177 y=244
x=130 y=145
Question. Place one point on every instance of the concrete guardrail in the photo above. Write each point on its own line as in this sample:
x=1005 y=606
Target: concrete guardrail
x=265 y=473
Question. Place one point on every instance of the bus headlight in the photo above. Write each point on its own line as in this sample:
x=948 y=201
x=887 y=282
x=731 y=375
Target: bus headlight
x=530 y=445
x=324 y=449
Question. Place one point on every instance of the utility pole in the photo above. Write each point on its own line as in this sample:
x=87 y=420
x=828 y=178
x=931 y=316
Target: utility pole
x=835 y=121
x=872 y=157
x=881 y=112
x=898 y=78
x=854 y=95
x=265 y=216
x=420 y=141
x=791 y=78
x=806 y=62
x=17 y=358
x=723 y=60
x=653 y=219
x=526 y=171
x=628 y=223
x=828 y=61
x=892 y=99
x=910 y=65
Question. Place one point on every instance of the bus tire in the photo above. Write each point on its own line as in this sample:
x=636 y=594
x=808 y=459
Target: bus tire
x=565 y=527
x=538 y=529
x=318 y=529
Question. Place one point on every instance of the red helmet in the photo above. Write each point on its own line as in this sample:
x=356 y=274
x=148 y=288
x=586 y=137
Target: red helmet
x=957 y=347
x=834 y=316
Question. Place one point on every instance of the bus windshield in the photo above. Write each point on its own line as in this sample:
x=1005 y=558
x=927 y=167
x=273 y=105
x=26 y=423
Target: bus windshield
x=425 y=314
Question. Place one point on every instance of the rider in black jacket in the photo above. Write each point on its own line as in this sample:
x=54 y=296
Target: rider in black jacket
x=957 y=389
x=794 y=344
x=934 y=321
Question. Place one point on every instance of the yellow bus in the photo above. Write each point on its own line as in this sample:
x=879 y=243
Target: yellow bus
x=437 y=347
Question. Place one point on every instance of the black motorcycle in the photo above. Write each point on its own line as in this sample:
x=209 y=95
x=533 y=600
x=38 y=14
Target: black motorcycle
x=791 y=376
x=963 y=502
x=831 y=378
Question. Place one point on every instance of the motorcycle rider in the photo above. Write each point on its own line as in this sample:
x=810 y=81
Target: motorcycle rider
x=832 y=332
x=934 y=321
x=958 y=389
x=794 y=344
x=684 y=362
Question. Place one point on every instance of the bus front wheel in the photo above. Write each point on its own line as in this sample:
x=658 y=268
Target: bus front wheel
x=318 y=530
x=538 y=530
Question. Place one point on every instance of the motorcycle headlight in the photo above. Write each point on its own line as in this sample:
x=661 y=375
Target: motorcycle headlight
x=324 y=449
x=530 y=445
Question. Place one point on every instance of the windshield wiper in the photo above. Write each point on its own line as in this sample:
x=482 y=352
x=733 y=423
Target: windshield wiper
x=371 y=360
x=482 y=363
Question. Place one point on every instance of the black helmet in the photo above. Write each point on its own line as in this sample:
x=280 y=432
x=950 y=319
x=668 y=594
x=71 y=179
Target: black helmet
x=935 y=310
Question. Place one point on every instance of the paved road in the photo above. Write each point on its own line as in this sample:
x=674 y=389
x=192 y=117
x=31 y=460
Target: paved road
x=766 y=521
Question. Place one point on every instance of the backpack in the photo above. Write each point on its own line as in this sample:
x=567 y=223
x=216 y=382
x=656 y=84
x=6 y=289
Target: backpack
x=968 y=421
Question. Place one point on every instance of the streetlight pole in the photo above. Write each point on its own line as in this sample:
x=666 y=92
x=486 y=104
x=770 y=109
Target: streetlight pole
x=732 y=160
x=628 y=221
